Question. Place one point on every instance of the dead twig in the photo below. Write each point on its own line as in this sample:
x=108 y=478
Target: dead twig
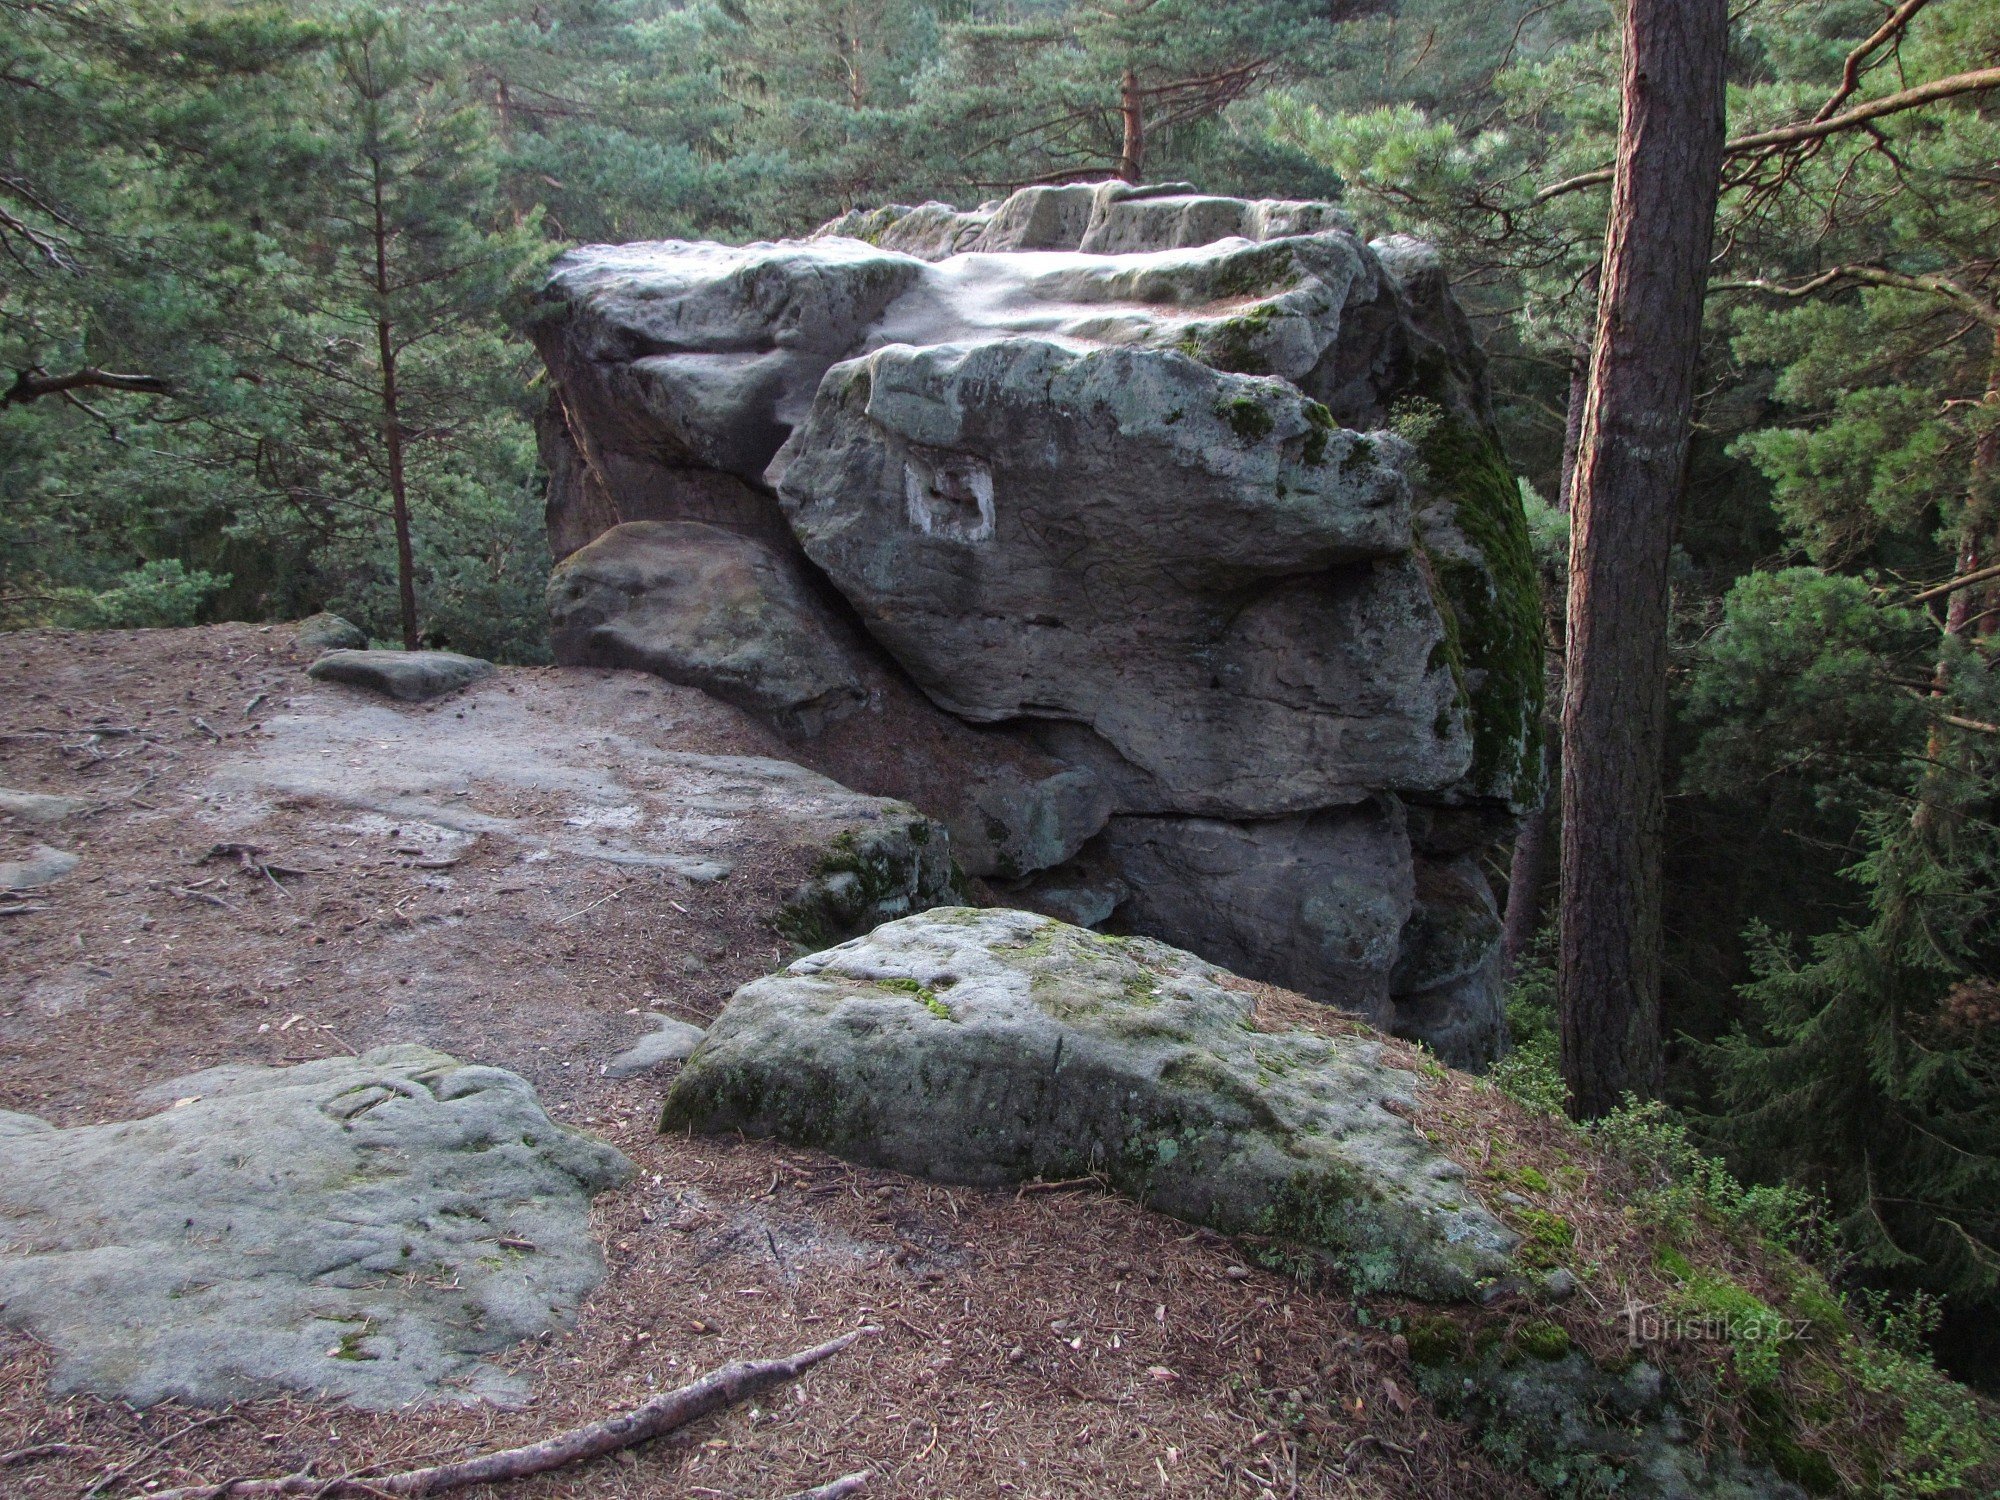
x=847 y=1484
x=188 y=893
x=718 y=1390
x=42 y=1450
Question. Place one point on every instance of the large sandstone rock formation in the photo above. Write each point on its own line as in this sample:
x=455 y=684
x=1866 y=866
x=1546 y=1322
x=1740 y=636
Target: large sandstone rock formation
x=1197 y=501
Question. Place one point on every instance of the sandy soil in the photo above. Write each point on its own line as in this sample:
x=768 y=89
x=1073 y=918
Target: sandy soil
x=1049 y=1342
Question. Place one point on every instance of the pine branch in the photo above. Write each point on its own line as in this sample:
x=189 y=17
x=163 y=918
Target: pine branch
x=1974 y=82
x=34 y=383
x=728 y=1386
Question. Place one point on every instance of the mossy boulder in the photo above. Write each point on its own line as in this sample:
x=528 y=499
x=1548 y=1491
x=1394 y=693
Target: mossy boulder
x=992 y=1046
x=894 y=865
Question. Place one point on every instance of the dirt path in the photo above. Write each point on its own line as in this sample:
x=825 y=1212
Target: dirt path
x=476 y=877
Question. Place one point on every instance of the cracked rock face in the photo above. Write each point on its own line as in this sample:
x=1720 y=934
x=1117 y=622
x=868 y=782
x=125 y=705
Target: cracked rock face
x=1195 y=496
x=368 y=1228
x=988 y=1046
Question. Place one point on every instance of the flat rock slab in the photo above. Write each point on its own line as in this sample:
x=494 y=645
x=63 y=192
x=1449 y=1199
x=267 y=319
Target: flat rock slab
x=411 y=676
x=362 y=1228
x=569 y=764
x=37 y=807
x=43 y=866
x=991 y=1046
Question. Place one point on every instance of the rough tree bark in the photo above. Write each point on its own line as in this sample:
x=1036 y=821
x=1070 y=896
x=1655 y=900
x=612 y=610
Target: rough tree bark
x=1632 y=457
x=392 y=417
x=1132 y=110
x=1528 y=871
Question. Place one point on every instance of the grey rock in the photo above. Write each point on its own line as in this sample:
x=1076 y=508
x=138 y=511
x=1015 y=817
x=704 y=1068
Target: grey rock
x=580 y=757
x=1194 y=565
x=1084 y=892
x=669 y=1041
x=1167 y=216
x=873 y=874
x=37 y=807
x=411 y=676
x=330 y=632
x=1010 y=826
x=1316 y=903
x=1101 y=468
x=1446 y=987
x=13 y=1123
x=709 y=608
x=1098 y=218
x=987 y=1046
x=364 y=1228
x=43 y=866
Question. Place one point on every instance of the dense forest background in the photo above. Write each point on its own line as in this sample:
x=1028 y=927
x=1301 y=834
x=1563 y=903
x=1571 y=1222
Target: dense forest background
x=233 y=236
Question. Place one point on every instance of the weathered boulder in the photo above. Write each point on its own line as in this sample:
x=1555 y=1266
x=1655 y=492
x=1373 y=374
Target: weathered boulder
x=989 y=1046
x=1198 y=566
x=411 y=676
x=710 y=608
x=367 y=1228
x=1196 y=495
x=329 y=632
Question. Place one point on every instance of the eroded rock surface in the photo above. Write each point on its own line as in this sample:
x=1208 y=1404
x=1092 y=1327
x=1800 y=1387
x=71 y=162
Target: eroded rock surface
x=365 y=1228
x=989 y=1046
x=1196 y=496
x=709 y=608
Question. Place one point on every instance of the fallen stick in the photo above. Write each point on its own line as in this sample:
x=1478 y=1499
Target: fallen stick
x=718 y=1390
x=839 y=1489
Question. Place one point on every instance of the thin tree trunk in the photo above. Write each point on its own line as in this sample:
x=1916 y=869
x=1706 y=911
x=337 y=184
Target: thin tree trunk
x=1132 y=109
x=1529 y=869
x=392 y=422
x=1632 y=458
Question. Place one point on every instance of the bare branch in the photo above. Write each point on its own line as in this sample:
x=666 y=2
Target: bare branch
x=34 y=383
x=1974 y=82
x=734 y=1382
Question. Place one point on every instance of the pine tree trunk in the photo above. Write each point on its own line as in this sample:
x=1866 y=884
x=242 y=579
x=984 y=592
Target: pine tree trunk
x=1529 y=869
x=392 y=422
x=1631 y=461
x=1131 y=108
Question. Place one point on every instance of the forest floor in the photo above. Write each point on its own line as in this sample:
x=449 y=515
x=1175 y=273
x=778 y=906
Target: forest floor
x=1033 y=1343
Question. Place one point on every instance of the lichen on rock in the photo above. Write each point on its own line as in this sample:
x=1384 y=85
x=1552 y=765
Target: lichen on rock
x=989 y=1046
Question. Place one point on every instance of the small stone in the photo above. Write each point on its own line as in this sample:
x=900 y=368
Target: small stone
x=670 y=1041
x=410 y=676
x=329 y=632
x=43 y=866
x=37 y=807
x=1559 y=1285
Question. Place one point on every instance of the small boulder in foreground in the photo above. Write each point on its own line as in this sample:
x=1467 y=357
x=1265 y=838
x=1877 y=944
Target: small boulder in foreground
x=411 y=676
x=364 y=1228
x=990 y=1046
